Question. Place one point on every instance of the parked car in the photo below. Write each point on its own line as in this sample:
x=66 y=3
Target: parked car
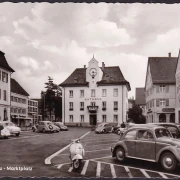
x=47 y=126
x=4 y=132
x=13 y=129
x=103 y=128
x=151 y=143
x=174 y=128
x=115 y=128
x=61 y=126
x=120 y=130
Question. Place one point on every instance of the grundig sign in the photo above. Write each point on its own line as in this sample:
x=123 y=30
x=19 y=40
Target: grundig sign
x=92 y=99
x=168 y=109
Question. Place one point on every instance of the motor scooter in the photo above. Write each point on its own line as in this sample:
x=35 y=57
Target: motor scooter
x=76 y=153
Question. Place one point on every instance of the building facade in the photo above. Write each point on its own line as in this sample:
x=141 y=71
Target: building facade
x=140 y=99
x=33 y=110
x=19 y=105
x=160 y=89
x=94 y=95
x=5 y=88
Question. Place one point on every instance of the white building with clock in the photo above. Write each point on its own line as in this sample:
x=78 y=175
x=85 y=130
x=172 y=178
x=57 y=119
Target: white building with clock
x=95 y=94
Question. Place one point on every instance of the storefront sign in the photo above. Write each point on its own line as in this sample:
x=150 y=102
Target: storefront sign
x=168 y=109
x=92 y=99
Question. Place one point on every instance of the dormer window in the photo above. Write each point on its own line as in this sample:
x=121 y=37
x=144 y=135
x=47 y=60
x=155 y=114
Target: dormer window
x=75 y=80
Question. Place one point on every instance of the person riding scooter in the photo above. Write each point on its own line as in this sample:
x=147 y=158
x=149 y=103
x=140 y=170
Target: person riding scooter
x=76 y=153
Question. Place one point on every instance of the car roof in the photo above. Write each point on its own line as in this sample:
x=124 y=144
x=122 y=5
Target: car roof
x=152 y=127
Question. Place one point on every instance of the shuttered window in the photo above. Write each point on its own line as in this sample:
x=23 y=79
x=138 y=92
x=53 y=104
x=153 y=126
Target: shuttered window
x=167 y=102
x=157 y=102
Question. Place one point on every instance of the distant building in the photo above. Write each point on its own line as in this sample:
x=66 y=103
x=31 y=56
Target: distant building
x=19 y=105
x=160 y=89
x=33 y=110
x=94 y=95
x=5 y=88
x=141 y=100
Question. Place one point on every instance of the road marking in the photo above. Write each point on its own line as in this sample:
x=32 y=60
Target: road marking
x=100 y=158
x=48 y=159
x=70 y=169
x=145 y=174
x=163 y=175
x=89 y=151
x=83 y=172
x=113 y=171
x=128 y=171
x=59 y=166
x=98 y=170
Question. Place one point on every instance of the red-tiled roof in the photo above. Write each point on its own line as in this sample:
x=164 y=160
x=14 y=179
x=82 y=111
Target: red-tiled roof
x=140 y=96
x=111 y=76
x=16 y=88
x=3 y=62
x=163 y=69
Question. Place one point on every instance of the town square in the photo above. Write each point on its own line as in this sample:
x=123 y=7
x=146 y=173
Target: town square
x=90 y=90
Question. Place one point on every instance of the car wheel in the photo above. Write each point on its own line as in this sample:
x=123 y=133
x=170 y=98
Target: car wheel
x=17 y=134
x=103 y=131
x=43 y=130
x=168 y=161
x=120 y=154
x=118 y=132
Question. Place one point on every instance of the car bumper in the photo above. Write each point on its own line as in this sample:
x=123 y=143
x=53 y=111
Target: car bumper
x=15 y=132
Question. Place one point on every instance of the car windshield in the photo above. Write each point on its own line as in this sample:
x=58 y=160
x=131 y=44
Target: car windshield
x=160 y=133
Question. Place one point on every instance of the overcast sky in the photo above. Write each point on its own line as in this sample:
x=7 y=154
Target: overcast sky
x=41 y=40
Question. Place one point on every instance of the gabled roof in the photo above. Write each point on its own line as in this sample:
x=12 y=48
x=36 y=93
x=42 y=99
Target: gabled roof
x=16 y=88
x=140 y=96
x=3 y=63
x=111 y=76
x=163 y=69
x=77 y=78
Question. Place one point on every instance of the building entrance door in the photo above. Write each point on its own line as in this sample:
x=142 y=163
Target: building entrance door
x=93 y=119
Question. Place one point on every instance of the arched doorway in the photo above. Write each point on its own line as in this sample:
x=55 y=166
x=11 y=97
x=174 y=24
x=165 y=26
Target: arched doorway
x=172 y=118
x=162 y=118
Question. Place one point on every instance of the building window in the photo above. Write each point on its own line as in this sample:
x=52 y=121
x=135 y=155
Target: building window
x=81 y=106
x=162 y=88
x=0 y=93
x=115 y=105
x=4 y=77
x=104 y=92
x=115 y=93
x=115 y=118
x=71 y=106
x=82 y=118
x=70 y=118
x=93 y=103
x=104 y=105
x=162 y=102
x=4 y=95
x=93 y=93
x=70 y=93
x=103 y=118
x=81 y=93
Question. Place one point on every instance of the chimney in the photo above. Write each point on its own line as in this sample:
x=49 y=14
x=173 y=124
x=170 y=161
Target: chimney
x=169 y=54
x=103 y=65
x=84 y=66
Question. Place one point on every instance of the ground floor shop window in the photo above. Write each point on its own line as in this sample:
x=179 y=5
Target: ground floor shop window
x=103 y=118
x=172 y=118
x=70 y=118
x=162 y=118
x=82 y=118
x=115 y=118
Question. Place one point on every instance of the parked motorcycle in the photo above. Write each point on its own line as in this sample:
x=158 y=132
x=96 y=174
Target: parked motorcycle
x=76 y=153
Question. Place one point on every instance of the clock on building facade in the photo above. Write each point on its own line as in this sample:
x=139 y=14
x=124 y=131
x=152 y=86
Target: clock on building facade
x=93 y=72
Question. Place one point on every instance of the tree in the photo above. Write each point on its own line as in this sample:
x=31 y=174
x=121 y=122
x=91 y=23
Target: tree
x=135 y=114
x=52 y=100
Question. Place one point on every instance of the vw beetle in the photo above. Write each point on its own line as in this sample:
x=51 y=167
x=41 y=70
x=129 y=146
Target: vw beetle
x=150 y=143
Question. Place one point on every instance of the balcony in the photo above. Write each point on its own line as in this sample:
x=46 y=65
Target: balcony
x=92 y=109
x=104 y=109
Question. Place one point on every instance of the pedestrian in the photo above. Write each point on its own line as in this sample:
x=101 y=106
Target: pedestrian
x=123 y=125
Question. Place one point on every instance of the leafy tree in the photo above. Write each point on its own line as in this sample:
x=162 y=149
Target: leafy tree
x=51 y=99
x=135 y=114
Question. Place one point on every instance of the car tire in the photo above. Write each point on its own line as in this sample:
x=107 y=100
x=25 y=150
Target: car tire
x=17 y=134
x=120 y=154
x=168 y=161
x=103 y=131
